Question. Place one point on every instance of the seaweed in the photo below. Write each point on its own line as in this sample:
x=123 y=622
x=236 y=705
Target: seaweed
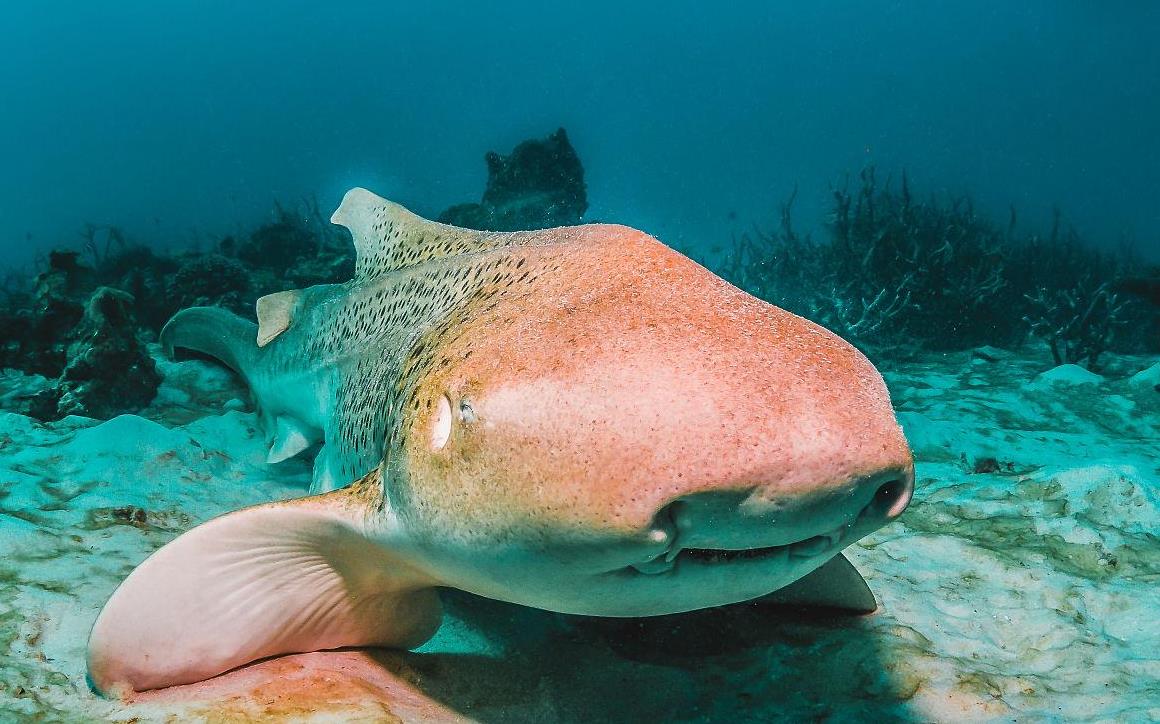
x=890 y=272
x=1078 y=324
x=903 y=268
x=894 y=272
x=99 y=253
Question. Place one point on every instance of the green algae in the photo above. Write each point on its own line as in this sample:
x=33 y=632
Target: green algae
x=1013 y=538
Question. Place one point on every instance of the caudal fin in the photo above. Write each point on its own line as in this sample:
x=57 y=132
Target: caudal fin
x=281 y=578
x=215 y=332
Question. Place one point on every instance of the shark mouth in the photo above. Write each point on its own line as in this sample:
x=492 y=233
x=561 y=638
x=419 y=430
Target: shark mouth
x=825 y=544
x=809 y=548
x=890 y=496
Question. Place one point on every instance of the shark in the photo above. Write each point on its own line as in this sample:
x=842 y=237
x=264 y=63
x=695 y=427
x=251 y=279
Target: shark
x=578 y=419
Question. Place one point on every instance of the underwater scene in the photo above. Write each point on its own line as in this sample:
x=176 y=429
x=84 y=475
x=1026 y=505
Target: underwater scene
x=583 y=362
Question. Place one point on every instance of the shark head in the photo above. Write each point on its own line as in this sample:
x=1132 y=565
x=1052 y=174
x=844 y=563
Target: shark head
x=631 y=435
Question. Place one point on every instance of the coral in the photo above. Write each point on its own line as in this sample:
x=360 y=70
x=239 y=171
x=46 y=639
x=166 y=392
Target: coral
x=87 y=342
x=278 y=245
x=912 y=267
x=57 y=289
x=300 y=248
x=100 y=251
x=780 y=267
x=77 y=324
x=540 y=185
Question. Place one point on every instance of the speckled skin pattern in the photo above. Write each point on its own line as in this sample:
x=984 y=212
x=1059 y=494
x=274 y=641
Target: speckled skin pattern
x=565 y=322
x=615 y=356
x=596 y=377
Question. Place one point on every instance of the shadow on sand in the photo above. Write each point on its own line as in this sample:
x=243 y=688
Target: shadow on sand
x=747 y=662
x=498 y=663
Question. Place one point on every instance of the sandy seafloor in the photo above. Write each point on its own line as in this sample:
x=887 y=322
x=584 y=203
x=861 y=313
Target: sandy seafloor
x=1023 y=593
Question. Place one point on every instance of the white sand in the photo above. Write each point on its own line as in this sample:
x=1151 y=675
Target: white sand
x=1024 y=591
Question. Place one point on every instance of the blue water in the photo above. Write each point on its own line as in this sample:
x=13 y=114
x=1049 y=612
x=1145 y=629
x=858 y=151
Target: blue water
x=184 y=120
x=1018 y=586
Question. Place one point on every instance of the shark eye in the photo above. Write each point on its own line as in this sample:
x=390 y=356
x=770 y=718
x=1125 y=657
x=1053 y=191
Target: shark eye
x=466 y=411
x=441 y=423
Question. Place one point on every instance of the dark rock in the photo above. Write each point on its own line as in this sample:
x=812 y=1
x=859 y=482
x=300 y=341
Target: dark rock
x=134 y=259
x=279 y=245
x=540 y=185
x=986 y=465
x=988 y=353
x=130 y=514
x=328 y=266
x=136 y=269
x=108 y=370
x=15 y=331
x=209 y=280
x=65 y=269
x=58 y=292
x=40 y=405
x=37 y=328
x=1144 y=287
x=228 y=246
x=468 y=216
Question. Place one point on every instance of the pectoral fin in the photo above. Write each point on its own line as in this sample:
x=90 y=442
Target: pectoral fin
x=290 y=438
x=274 y=579
x=327 y=471
x=837 y=584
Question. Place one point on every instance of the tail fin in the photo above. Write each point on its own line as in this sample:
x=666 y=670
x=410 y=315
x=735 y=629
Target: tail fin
x=215 y=332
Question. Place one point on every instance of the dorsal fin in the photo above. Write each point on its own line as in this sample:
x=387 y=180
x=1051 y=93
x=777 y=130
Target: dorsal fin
x=388 y=237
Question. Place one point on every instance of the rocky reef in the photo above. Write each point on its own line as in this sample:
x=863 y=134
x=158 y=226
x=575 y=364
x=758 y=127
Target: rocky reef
x=37 y=322
x=83 y=342
x=1146 y=287
x=538 y=186
x=894 y=273
x=85 y=322
x=108 y=368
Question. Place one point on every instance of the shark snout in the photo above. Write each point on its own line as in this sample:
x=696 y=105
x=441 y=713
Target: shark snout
x=747 y=521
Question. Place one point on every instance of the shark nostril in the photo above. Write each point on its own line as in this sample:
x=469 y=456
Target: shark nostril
x=663 y=530
x=892 y=496
x=887 y=493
